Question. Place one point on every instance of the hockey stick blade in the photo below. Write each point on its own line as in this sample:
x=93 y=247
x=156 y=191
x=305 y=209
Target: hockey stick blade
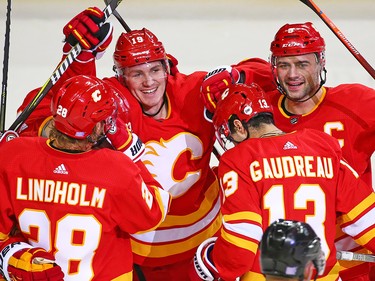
x=63 y=66
x=340 y=36
x=350 y=256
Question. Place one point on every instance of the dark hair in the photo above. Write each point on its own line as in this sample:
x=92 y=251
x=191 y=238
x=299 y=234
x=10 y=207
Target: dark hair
x=256 y=121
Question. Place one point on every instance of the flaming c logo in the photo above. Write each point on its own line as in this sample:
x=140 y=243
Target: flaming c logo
x=96 y=96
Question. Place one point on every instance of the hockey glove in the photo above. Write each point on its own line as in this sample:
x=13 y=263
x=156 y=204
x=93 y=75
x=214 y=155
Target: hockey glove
x=203 y=267
x=7 y=136
x=28 y=263
x=215 y=83
x=120 y=136
x=89 y=30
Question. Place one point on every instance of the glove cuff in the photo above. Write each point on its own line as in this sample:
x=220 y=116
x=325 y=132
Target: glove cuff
x=7 y=252
x=8 y=136
x=208 y=115
x=104 y=43
x=236 y=75
x=136 y=149
x=199 y=265
x=84 y=56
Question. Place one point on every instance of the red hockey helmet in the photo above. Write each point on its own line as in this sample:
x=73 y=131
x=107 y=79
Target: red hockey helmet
x=242 y=100
x=137 y=47
x=297 y=39
x=80 y=103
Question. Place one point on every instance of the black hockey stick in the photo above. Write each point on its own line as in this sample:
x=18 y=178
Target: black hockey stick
x=340 y=36
x=74 y=52
x=5 y=69
x=120 y=19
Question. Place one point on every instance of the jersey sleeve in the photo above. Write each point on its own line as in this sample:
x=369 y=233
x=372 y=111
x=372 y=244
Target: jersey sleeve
x=258 y=71
x=34 y=124
x=364 y=106
x=147 y=204
x=356 y=204
x=9 y=232
x=236 y=247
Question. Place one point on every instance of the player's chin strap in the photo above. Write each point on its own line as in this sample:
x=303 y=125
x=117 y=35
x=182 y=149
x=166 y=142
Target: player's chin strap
x=160 y=108
x=322 y=75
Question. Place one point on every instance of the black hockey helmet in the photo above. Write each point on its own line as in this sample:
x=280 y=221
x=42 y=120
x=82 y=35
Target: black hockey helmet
x=286 y=248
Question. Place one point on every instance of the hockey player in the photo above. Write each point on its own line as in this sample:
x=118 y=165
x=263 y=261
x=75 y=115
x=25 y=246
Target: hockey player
x=166 y=112
x=290 y=250
x=302 y=101
x=67 y=208
x=269 y=175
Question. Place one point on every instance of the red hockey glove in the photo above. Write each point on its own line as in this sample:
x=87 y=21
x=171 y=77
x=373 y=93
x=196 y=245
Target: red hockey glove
x=215 y=83
x=28 y=263
x=202 y=266
x=121 y=138
x=89 y=30
x=7 y=136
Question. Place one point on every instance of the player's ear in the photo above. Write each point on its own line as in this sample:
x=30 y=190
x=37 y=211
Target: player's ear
x=308 y=271
x=238 y=126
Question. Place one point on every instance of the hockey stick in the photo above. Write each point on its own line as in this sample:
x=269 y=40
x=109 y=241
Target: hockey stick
x=340 y=36
x=120 y=19
x=5 y=69
x=350 y=256
x=56 y=75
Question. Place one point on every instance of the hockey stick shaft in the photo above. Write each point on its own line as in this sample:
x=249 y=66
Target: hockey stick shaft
x=63 y=66
x=350 y=256
x=5 y=69
x=120 y=19
x=340 y=36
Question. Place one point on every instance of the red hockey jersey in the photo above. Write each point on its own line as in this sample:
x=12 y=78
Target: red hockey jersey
x=298 y=176
x=178 y=152
x=81 y=207
x=345 y=112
